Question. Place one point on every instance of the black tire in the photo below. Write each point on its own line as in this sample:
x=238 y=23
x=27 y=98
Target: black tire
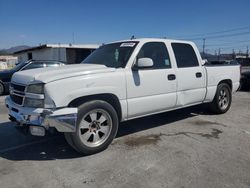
x=1 y=89
x=69 y=140
x=220 y=104
x=76 y=141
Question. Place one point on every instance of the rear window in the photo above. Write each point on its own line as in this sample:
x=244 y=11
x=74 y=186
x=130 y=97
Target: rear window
x=185 y=55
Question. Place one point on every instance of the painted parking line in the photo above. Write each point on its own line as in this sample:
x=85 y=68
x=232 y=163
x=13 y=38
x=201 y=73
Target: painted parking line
x=27 y=144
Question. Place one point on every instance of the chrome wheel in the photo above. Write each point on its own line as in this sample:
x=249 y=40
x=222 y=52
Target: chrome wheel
x=95 y=127
x=223 y=99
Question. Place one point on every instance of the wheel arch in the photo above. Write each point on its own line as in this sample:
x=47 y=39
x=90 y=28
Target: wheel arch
x=107 y=97
x=226 y=81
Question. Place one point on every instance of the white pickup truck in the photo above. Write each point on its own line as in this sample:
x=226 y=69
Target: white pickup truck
x=118 y=82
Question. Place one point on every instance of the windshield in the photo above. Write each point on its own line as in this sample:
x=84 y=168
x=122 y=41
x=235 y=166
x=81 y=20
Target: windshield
x=112 y=55
x=19 y=66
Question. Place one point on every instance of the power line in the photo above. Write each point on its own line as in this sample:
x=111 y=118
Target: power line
x=228 y=48
x=217 y=32
x=228 y=43
x=221 y=36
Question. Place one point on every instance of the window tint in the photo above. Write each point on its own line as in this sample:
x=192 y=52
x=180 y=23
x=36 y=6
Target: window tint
x=185 y=55
x=34 y=66
x=112 y=55
x=158 y=52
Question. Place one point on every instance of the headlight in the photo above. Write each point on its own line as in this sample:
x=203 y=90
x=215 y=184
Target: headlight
x=36 y=88
x=34 y=103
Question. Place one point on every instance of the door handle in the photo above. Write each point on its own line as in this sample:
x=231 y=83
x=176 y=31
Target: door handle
x=171 y=77
x=198 y=74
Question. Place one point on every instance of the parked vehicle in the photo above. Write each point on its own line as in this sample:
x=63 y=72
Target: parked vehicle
x=245 y=77
x=5 y=75
x=3 y=65
x=118 y=82
x=226 y=62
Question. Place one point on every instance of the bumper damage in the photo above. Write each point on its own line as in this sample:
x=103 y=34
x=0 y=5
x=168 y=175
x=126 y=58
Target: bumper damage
x=39 y=120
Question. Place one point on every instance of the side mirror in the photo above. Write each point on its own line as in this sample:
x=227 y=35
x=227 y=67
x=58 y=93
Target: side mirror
x=204 y=61
x=143 y=63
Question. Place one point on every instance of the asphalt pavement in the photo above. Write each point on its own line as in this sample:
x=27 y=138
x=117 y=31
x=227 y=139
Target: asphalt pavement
x=184 y=148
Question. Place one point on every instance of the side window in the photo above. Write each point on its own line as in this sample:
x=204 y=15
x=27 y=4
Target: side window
x=185 y=55
x=158 y=52
x=34 y=66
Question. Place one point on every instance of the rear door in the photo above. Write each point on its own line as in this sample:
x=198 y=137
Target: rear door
x=151 y=89
x=191 y=80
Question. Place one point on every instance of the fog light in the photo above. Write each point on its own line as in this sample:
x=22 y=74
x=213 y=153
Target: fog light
x=37 y=131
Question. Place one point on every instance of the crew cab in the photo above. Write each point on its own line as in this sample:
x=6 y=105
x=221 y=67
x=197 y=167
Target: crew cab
x=118 y=82
x=5 y=75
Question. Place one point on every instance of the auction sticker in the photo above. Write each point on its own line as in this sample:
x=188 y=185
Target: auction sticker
x=128 y=44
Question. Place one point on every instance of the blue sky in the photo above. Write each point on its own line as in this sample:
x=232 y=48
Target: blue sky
x=30 y=22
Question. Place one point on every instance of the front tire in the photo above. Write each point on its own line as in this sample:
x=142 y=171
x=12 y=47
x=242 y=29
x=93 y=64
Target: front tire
x=1 y=89
x=222 y=100
x=97 y=125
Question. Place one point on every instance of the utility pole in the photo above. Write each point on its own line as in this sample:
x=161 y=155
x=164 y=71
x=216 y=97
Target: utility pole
x=73 y=38
x=203 y=46
x=233 y=54
x=219 y=54
x=247 y=52
x=59 y=51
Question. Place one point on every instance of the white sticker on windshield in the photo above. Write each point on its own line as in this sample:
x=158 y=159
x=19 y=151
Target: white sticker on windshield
x=130 y=44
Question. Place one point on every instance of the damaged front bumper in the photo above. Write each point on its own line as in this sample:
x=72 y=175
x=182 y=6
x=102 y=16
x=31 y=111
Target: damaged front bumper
x=40 y=119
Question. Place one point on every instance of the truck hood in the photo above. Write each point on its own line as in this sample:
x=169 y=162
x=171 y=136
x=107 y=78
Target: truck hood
x=46 y=75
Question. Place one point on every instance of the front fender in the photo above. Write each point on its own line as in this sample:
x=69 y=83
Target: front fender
x=63 y=91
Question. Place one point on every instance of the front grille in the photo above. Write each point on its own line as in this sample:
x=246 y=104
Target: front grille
x=18 y=87
x=17 y=93
x=16 y=99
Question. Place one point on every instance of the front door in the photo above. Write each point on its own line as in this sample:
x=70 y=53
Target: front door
x=152 y=89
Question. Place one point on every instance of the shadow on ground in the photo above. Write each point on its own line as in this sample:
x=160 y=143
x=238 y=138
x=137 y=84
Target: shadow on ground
x=16 y=146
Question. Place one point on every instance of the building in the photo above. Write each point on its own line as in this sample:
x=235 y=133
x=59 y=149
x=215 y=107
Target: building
x=9 y=60
x=67 y=53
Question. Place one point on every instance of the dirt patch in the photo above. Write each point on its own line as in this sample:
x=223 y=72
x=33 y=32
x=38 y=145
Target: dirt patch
x=201 y=122
x=214 y=134
x=152 y=139
x=5 y=171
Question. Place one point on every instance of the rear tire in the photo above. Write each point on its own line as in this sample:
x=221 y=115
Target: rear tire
x=97 y=125
x=222 y=100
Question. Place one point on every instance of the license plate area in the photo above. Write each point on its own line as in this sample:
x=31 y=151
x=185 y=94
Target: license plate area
x=37 y=130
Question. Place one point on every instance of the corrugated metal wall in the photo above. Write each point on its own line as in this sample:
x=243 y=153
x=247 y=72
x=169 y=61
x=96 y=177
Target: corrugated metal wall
x=69 y=55
x=58 y=54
